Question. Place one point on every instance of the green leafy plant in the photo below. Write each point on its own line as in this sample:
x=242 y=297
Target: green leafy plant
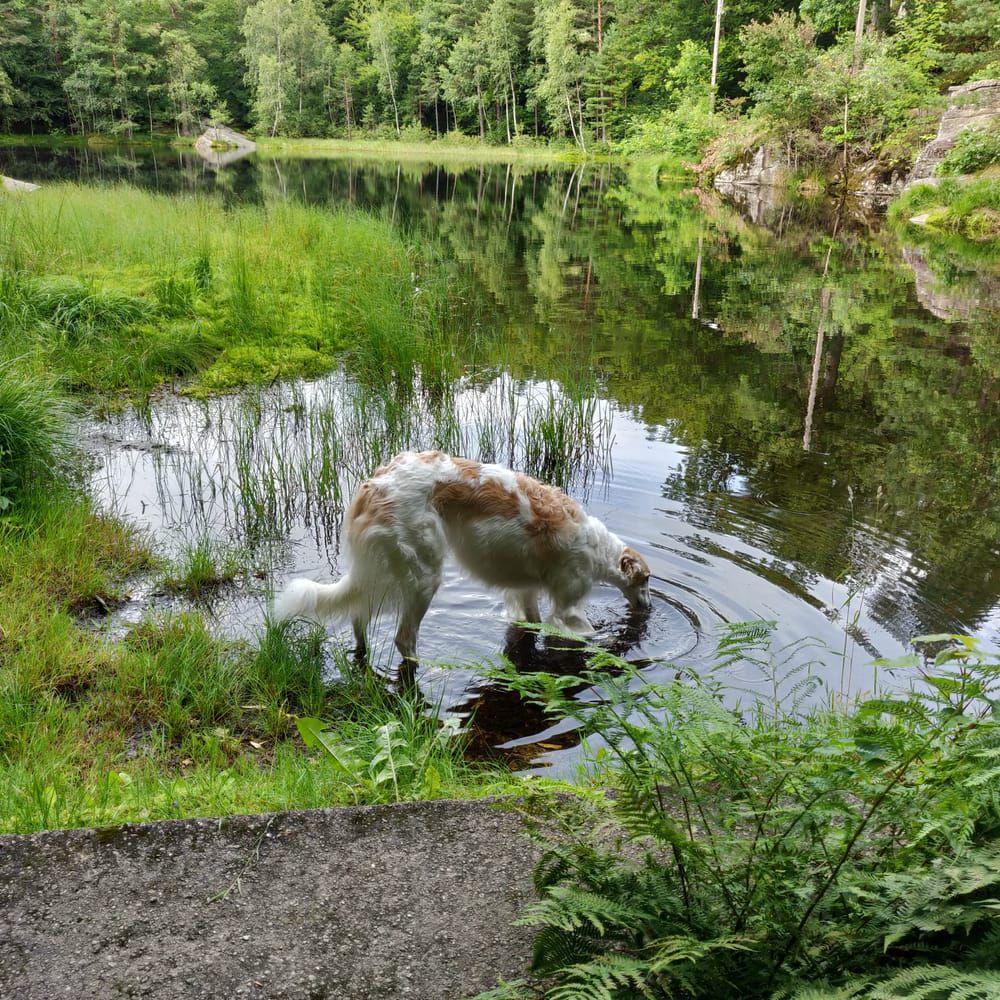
x=758 y=853
x=974 y=149
x=408 y=755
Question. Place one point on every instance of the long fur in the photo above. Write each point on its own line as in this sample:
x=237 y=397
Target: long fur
x=506 y=529
x=306 y=599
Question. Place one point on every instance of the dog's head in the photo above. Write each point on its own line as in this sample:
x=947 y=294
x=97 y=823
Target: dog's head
x=634 y=578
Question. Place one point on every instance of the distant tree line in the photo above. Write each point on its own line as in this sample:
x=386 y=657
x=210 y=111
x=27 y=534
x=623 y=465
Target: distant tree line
x=582 y=70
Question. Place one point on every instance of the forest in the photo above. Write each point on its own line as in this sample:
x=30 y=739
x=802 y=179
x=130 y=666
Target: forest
x=818 y=74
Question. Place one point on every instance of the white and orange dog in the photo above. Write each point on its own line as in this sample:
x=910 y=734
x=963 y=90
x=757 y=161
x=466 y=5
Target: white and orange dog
x=507 y=529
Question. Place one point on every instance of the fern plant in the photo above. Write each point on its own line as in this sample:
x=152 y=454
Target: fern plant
x=763 y=853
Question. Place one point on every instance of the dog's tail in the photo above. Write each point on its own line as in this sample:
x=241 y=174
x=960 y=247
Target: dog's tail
x=316 y=600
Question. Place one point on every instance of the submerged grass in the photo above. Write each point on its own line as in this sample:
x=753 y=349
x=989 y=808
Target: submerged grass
x=117 y=291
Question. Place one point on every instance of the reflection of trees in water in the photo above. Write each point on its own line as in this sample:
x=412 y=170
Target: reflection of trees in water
x=566 y=269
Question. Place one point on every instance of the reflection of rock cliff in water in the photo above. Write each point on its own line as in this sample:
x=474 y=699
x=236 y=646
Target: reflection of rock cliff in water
x=219 y=146
x=968 y=297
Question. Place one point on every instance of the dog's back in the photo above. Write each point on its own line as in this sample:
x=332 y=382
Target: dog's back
x=504 y=527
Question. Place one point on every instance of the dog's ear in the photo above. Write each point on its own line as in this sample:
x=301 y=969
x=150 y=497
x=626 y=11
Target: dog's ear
x=632 y=565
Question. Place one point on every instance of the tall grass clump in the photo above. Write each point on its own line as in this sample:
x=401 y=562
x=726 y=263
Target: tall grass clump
x=120 y=290
x=764 y=854
x=202 y=567
x=967 y=213
x=34 y=431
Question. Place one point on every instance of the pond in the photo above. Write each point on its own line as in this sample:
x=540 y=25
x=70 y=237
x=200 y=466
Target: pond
x=791 y=415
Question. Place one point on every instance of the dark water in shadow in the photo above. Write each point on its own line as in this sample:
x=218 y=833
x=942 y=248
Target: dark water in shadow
x=701 y=331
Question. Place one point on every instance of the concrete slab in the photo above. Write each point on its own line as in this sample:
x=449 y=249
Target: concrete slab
x=414 y=900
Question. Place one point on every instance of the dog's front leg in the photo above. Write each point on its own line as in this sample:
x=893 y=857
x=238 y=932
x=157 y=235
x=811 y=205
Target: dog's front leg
x=522 y=606
x=572 y=620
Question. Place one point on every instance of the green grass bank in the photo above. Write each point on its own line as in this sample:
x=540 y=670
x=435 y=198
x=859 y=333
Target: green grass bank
x=115 y=292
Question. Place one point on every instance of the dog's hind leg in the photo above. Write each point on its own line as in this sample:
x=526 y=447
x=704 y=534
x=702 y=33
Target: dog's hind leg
x=411 y=615
x=360 y=625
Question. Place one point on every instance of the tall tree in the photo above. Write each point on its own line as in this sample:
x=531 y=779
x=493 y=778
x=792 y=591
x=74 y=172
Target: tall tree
x=286 y=43
x=561 y=38
x=190 y=94
x=384 y=53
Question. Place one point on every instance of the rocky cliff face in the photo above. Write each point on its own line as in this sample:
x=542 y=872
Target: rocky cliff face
x=766 y=168
x=973 y=105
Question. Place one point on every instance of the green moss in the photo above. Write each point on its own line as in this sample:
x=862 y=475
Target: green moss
x=249 y=365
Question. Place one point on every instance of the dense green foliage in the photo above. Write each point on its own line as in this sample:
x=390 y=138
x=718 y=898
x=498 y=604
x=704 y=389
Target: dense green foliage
x=974 y=150
x=762 y=852
x=584 y=70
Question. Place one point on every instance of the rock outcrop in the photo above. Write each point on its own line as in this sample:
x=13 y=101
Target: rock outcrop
x=767 y=167
x=10 y=184
x=220 y=145
x=972 y=105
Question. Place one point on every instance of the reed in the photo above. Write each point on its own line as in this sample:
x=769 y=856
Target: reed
x=202 y=567
x=34 y=431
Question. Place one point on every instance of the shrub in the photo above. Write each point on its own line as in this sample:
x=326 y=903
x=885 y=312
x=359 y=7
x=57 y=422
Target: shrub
x=768 y=853
x=975 y=149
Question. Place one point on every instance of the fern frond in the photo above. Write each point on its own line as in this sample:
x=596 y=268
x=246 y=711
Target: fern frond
x=668 y=951
x=637 y=810
x=609 y=977
x=557 y=949
x=571 y=909
x=946 y=896
x=939 y=982
x=819 y=991
x=516 y=990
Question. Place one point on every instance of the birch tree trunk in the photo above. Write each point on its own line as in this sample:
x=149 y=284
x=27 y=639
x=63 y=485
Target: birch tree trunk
x=715 y=55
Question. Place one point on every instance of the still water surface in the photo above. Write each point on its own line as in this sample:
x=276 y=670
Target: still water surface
x=818 y=449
